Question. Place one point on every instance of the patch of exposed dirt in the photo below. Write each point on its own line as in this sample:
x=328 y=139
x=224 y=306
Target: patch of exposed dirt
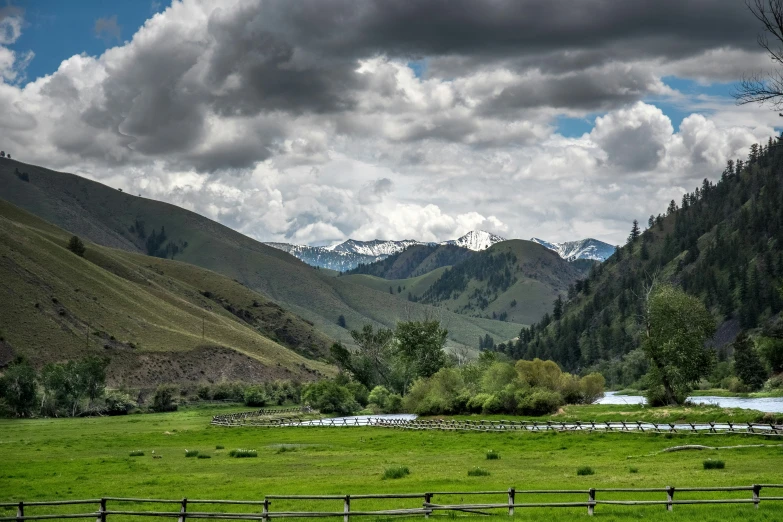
x=205 y=364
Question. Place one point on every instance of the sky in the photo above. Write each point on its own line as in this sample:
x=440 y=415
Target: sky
x=314 y=121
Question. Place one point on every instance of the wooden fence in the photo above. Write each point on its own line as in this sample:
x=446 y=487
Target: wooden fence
x=259 y=417
x=262 y=509
x=747 y=428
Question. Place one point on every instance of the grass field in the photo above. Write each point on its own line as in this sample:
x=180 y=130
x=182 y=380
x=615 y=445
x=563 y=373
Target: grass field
x=52 y=459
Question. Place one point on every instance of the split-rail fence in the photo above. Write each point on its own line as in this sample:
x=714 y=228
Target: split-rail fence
x=262 y=509
x=264 y=420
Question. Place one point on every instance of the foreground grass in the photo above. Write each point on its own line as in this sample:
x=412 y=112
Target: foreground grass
x=50 y=459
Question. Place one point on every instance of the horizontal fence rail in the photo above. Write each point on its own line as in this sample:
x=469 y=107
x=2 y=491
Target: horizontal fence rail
x=512 y=499
x=262 y=416
x=747 y=428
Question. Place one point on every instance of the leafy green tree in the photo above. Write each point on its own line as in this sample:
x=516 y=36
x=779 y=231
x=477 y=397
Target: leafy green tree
x=341 y=321
x=63 y=388
x=676 y=328
x=18 y=388
x=330 y=397
x=76 y=246
x=92 y=376
x=164 y=398
x=771 y=349
x=420 y=346
x=747 y=364
x=372 y=364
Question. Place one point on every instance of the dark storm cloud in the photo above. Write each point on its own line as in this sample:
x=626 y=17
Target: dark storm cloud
x=598 y=28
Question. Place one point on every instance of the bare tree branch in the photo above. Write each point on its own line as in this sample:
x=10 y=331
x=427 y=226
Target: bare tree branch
x=765 y=87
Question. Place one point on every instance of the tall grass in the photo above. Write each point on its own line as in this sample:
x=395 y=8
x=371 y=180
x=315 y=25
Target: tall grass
x=478 y=472
x=396 y=472
x=243 y=453
x=136 y=453
x=585 y=470
x=191 y=453
x=714 y=464
x=493 y=455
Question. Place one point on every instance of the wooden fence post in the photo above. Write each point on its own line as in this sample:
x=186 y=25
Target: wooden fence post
x=591 y=501
x=347 y=508
x=427 y=500
x=669 y=498
x=183 y=510
x=20 y=512
x=511 y=494
x=101 y=512
x=756 y=494
x=265 y=512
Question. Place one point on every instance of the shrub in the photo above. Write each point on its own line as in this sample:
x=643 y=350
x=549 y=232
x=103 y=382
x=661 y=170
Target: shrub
x=242 y=453
x=478 y=472
x=592 y=386
x=774 y=383
x=493 y=404
x=493 y=455
x=164 y=398
x=76 y=246
x=118 y=403
x=330 y=397
x=136 y=453
x=256 y=396
x=379 y=396
x=285 y=449
x=585 y=470
x=394 y=403
x=396 y=472
x=191 y=453
x=476 y=403
x=359 y=392
x=540 y=402
x=219 y=447
x=204 y=456
x=714 y=464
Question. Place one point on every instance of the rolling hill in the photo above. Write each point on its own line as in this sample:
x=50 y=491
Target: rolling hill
x=112 y=218
x=157 y=320
x=513 y=280
x=414 y=261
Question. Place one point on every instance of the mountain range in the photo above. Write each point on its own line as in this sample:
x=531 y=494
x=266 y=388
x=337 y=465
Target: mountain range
x=158 y=270
x=350 y=254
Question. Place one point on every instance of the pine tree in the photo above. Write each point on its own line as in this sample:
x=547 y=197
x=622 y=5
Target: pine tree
x=635 y=232
x=747 y=363
x=558 y=310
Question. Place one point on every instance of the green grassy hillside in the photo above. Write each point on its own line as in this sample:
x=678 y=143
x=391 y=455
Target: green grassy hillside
x=515 y=280
x=157 y=320
x=109 y=217
x=414 y=261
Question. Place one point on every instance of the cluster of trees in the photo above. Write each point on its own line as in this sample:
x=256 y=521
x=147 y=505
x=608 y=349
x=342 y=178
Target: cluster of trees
x=393 y=358
x=497 y=271
x=60 y=389
x=257 y=395
x=4 y=155
x=491 y=386
x=722 y=245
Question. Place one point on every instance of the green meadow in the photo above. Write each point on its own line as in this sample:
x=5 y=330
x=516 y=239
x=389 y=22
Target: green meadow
x=57 y=459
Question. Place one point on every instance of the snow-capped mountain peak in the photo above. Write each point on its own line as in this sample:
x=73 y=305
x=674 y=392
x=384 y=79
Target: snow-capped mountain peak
x=476 y=240
x=588 y=248
x=376 y=247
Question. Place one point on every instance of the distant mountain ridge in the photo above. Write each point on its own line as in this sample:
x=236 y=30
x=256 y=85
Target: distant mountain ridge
x=588 y=248
x=351 y=253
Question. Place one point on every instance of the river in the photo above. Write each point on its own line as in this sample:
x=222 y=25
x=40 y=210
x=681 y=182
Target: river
x=765 y=404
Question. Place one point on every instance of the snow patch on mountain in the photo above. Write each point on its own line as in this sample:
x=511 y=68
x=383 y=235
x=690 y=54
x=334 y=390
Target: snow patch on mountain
x=588 y=248
x=376 y=247
x=475 y=240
